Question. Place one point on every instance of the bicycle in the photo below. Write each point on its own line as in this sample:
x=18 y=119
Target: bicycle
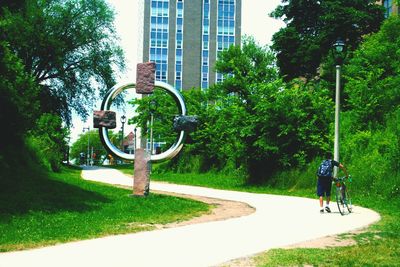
x=343 y=198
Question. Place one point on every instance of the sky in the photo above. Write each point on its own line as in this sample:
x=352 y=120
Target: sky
x=255 y=22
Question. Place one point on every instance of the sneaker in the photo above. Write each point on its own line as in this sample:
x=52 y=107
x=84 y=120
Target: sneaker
x=328 y=209
x=321 y=210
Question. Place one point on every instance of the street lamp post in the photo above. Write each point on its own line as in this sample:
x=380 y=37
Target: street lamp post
x=339 y=46
x=123 y=120
x=153 y=105
x=134 y=142
x=88 y=146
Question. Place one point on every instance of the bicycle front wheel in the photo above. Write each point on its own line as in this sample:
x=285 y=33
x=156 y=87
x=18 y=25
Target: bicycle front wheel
x=349 y=205
x=343 y=200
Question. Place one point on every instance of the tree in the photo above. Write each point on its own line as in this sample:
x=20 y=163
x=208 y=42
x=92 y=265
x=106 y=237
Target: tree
x=164 y=109
x=373 y=76
x=19 y=107
x=260 y=123
x=312 y=26
x=55 y=57
x=81 y=146
x=18 y=97
x=68 y=47
x=48 y=138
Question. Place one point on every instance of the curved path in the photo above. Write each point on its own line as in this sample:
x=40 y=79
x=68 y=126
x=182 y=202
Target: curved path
x=278 y=221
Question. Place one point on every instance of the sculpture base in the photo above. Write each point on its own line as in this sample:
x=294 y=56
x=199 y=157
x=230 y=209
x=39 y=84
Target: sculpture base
x=141 y=175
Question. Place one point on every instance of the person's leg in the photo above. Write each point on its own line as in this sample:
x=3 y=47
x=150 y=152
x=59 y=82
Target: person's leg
x=328 y=194
x=320 y=194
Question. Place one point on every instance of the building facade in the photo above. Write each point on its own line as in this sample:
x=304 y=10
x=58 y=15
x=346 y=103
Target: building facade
x=184 y=37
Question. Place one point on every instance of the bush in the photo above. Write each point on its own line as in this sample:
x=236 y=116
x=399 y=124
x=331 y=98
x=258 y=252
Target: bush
x=48 y=141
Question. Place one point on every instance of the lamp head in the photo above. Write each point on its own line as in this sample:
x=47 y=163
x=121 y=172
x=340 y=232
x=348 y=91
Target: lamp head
x=153 y=105
x=123 y=119
x=339 y=45
x=339 y=51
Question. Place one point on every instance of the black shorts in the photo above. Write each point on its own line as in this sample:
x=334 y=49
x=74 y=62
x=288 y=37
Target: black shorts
x=324 y=186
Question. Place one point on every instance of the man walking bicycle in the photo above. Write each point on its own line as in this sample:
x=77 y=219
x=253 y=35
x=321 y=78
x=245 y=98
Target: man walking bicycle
x=324 y=182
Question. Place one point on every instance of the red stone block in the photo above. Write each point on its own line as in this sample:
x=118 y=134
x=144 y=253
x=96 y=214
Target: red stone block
x=104 y=118
x=145 y=77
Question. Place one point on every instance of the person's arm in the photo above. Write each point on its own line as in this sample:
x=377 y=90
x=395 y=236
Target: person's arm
x=343 y=169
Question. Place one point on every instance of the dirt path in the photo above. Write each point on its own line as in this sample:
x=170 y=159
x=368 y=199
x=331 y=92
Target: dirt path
x=222 y=210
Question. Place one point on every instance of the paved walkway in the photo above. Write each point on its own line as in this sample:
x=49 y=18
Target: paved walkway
x=277 y=222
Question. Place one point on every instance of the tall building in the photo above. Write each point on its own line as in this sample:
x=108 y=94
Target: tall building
x=184 y=37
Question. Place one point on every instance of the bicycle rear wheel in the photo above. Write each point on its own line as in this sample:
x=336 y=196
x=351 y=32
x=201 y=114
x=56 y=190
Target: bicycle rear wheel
x=343 y=200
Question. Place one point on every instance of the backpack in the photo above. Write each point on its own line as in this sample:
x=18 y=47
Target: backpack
x=325 y=169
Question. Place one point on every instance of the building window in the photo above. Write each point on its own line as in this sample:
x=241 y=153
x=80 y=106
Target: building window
x=226 y=15
x=205 y=44
x=159 y=27
x=179 y=44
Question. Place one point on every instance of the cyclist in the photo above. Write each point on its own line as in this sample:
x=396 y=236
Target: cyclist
x=324 y=182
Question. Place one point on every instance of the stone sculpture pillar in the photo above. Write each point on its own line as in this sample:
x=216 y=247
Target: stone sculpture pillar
x=105 y=119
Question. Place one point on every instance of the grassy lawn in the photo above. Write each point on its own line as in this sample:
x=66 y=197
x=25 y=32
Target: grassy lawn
x=378 y=246
x=37 y=210
x=215 y=180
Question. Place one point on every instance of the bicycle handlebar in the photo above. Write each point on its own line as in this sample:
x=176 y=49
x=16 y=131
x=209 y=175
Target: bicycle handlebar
x=343 y=178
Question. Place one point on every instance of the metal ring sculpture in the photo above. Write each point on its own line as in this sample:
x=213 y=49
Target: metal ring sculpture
x=172 y=151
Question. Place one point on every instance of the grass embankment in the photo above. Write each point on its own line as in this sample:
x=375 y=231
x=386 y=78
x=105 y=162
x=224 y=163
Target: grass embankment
x=38 y=209
x=378 y=246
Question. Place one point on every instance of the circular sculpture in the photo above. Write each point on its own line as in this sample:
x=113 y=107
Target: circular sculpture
x=172 y=151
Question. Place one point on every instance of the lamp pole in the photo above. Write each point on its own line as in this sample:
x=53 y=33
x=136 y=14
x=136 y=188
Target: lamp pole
x=88 y=146
x=134 y=142
x=339 y=49
x=152 y=107
x=123 y=120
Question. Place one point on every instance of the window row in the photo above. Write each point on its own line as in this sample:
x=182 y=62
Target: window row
x=159 y=43
x=158 y=35
x=159 y=12
x=224 y=45
x=227 y=8
x=226 y=2
x=159 y=27
x=161 y=76
x=159 y=58
x=160 y=8
x=159 y=51
x=158 y=20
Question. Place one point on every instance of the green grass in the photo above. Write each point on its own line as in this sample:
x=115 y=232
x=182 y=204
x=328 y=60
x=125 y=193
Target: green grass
x=378 y=246
x=216 y=180
x=227 y=182
x=37 y=210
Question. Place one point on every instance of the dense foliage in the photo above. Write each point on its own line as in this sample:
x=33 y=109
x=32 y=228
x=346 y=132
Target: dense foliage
x=370 y=127
x=18 y=98
x=55 y=57
x=253 y=121
x=313 y=26
x=373 y=76
x=91 y=141
x=69 y=49
x=48 y=139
